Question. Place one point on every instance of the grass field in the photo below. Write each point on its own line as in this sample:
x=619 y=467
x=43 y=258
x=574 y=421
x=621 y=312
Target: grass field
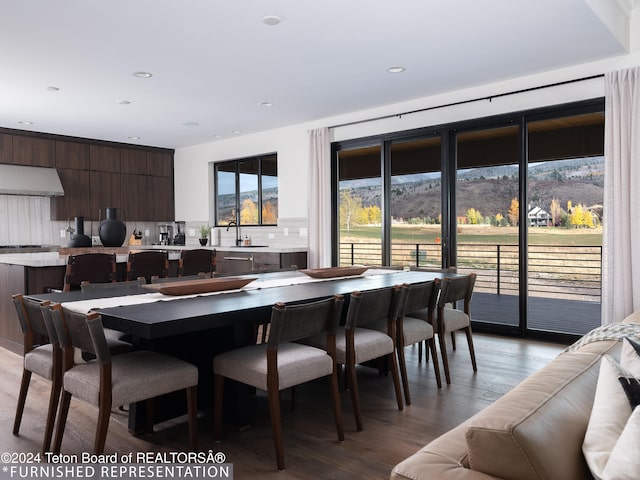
x=485 y=234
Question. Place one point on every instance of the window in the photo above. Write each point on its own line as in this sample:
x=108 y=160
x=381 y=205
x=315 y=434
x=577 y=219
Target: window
x=247 y=191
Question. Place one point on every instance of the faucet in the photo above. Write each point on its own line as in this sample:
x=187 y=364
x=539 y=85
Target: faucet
x=238 y=239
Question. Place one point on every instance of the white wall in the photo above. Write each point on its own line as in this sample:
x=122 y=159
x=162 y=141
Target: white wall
x=192 y=164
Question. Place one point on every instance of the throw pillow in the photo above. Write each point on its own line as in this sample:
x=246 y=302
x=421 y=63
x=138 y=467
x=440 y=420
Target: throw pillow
x=630 y=356
x=606 y=443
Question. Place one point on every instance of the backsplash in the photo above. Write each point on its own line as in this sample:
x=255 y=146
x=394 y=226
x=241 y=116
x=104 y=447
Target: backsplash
x=26 y=220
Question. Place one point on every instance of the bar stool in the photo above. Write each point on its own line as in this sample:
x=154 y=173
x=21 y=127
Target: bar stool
x=89 y=267
x=147 y=264
x=193 y=262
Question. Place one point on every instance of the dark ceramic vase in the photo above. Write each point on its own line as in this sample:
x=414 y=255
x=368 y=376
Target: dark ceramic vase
x=79 y=239
x=112 y=231
x=203 y=241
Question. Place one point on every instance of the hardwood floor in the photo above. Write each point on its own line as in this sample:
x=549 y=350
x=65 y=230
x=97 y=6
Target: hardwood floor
x=310 y=440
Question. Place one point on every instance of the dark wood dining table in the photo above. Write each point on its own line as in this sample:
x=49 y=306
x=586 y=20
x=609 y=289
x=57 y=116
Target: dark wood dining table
x=198 y=328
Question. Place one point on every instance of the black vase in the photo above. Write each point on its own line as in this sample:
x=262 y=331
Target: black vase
x=79 y=239
x=111 y=230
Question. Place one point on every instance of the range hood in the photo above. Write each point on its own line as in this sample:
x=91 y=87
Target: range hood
x=25 y=180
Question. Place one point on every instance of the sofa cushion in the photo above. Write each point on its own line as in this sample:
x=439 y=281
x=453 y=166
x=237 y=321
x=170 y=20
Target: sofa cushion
x=536 y=430
x=611 y=422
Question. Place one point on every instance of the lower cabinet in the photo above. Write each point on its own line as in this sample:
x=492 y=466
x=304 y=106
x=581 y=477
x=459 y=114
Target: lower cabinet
x=233 y=261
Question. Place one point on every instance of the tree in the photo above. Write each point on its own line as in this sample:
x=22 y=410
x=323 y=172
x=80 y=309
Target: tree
x=556 y=211
x=499 y=219
x=474 y=217
x=350 y=209
x=248 y=212
x=269 y=214
x=514 y=212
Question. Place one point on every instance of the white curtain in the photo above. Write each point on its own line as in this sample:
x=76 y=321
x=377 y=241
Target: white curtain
x=621 y=235
x=319 y=199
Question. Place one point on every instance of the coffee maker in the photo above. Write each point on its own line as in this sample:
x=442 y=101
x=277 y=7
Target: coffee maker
x=179 y=238
x=166 y=234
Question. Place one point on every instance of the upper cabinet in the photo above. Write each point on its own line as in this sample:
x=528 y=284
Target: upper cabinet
x=38 y=152
x=160 y=164
x=72 y=155
x=104 y=159
x=6 y=147
x=133 y=161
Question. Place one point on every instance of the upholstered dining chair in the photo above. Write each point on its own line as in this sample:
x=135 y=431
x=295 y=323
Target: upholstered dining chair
x=281 y=363
x=450 y=319
x=42 y=356
x=101 y=287
x=115 y=380
x=193 y=262
x=359 y=341
x=410 y=330
x=89 y=267
x=147 y=264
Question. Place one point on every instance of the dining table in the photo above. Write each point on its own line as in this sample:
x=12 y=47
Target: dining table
x=198 y=326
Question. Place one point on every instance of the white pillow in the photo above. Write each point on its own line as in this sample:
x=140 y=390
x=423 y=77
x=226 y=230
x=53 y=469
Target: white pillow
x=624 y=461
x=609 y=439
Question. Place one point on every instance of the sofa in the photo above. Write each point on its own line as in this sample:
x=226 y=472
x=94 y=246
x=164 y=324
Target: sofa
x=535 y=431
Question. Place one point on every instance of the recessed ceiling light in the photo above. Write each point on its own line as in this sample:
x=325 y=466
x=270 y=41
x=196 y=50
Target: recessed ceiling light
x=265 y=104
x=143 y=74
x=52 y=89
x=236 y=132
x=190 y=124
x=271 y=20
x=25 y=122
x=123 y=102
x=395 y=69
x=134 y=138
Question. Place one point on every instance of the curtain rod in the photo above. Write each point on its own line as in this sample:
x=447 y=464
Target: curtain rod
x=471 y=100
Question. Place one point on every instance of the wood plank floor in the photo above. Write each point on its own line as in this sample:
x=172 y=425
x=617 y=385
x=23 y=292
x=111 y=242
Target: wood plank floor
x=311 y=447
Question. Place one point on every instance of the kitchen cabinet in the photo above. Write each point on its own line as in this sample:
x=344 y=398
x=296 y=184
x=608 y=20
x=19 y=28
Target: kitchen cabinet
x=105 y=192
x=77 y=191
x=6 y=148
x=133 y=161
x=34 y=151
x=104 y=158
x=72 y=155
x=160 y=199
x=160 y=164
x=239 y=261
x=133 y=194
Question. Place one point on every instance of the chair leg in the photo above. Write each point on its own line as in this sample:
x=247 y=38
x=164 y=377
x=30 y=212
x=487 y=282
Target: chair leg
x=192 y=409
x=276 y=425
x=471 y=349
x=453 y=340
x=352 y=381
x=419 y=352
x=396 y=380
x=337 y=408
x=434 y=354
x=218 y=386
x=403 y=373
x=61 y=421
x=22 y=398
x=445 y=360
x=104 y=414
x=54 y=399
x=426 y=351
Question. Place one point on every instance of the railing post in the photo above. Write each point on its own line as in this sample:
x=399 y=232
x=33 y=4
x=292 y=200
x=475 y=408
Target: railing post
x=417 y=255
x=352 y=254
x=498 y=268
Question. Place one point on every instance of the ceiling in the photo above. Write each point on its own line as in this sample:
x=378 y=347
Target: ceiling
x=68 y=65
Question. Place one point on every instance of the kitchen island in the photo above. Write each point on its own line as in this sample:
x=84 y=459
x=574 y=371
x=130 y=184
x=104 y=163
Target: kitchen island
x=38 y=272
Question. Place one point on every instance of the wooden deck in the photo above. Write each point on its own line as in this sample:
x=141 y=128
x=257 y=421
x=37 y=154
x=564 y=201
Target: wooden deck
x=312 y=450
x=548 y=314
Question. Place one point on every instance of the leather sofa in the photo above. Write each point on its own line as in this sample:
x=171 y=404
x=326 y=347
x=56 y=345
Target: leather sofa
x=535 y=431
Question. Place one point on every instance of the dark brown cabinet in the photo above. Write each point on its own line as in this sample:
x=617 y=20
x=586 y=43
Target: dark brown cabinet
x=104 y=159
x=133 y=161
x=160 y=198
x=106 y=193
x=77 y=191
x=72 y=155
x=160 y=164
x=239 y=261
x=34 y=151
x=6 y=148
x=134 y=196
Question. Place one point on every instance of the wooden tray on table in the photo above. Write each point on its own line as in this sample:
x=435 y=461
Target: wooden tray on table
x=332 y=272
x=205 y=285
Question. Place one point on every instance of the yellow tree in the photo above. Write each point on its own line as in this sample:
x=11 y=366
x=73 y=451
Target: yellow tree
x=577 y=216
x=269 y=215
x=514 y=211
x=248 y=212
x=474 y=217
x=499 y=218
x=350 y=209
x=587 y=219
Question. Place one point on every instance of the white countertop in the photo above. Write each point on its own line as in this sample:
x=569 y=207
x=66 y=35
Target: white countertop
x=51 y=259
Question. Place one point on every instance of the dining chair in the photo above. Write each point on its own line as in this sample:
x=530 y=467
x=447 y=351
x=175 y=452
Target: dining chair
x=89 y=267
x=359 y=341
x=103 y=287
x=42 y=356
x=410 y=330
x=116 y=380
x=199 y=276
x=281 y=363
x=450 y=319
x=147 y=264
x=195 y=261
